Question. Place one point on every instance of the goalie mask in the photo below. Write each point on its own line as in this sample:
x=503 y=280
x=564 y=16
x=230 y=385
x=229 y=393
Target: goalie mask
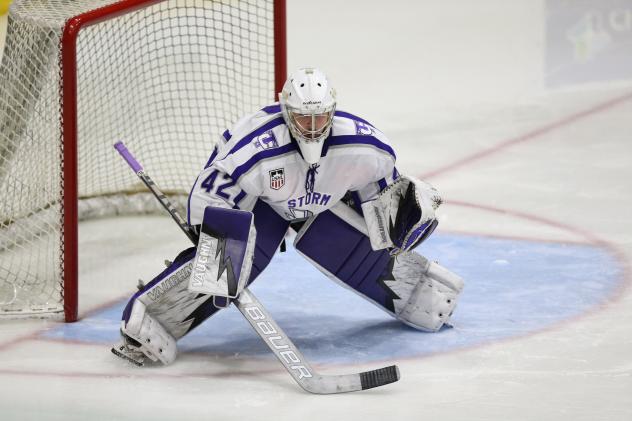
x=308 y=103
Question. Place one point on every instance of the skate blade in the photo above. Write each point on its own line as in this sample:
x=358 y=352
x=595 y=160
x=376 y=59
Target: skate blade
x=120 y=354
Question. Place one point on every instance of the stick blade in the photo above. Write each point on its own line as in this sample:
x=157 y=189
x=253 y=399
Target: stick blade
x=343 y=383
x=379 y=377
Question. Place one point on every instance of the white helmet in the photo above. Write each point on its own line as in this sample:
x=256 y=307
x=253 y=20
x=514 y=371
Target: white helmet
x=308 y=103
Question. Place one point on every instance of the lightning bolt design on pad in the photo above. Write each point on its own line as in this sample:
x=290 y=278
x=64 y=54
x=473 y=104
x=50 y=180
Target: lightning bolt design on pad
x=387 y=275
x=225 y=264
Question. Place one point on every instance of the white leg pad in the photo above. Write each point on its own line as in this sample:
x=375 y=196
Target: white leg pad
x=434 y=297
x=156 y=343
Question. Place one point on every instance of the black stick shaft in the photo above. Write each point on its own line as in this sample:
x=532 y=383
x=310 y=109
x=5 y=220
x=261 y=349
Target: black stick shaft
x=162 y=198
x=267 y=329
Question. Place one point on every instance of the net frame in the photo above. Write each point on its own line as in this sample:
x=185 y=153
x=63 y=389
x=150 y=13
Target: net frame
x=69 y=143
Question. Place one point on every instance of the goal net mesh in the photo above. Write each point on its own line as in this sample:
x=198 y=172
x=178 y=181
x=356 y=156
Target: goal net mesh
x=166 y=79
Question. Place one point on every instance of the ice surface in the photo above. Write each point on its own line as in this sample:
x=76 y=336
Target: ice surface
x=537 y=220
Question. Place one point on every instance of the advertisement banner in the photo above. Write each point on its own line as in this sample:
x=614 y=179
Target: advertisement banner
x=588 y=41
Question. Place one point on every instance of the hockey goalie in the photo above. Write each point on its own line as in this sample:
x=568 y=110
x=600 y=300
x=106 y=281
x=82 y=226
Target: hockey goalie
x=301 y=164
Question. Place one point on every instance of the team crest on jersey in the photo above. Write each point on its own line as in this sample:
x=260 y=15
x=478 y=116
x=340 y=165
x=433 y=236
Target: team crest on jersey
x=266 y=140
x=364 y=129
x=277 y=178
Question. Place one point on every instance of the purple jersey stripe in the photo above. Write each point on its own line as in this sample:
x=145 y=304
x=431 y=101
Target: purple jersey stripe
x=248 y=138
x=382 y=183
x=272 y=109
x=357 y=140
x=238 y=198
x=256 y=158
x=227 y=135
x=211 y=158
x=352 y=117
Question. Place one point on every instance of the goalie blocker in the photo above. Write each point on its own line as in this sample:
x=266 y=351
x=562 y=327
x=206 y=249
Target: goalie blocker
x=230 y=256
x=224 y=253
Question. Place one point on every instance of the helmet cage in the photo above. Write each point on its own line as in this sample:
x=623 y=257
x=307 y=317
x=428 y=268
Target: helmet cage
x=308 y=105
x=311 y=126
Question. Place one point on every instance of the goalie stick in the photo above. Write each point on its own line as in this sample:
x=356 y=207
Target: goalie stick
x=269 y=331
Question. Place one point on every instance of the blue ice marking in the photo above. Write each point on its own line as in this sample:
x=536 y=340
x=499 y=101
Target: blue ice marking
x=512 y=288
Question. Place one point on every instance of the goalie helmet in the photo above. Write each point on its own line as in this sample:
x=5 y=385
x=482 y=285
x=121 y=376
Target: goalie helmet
x=308 y=103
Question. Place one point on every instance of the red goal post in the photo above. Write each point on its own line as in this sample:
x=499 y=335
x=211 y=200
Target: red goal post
x=165 y=73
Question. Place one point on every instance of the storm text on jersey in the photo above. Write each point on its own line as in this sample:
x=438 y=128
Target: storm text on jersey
x=314 y=198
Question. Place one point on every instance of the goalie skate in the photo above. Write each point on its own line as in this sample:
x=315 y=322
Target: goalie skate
x=129 y=350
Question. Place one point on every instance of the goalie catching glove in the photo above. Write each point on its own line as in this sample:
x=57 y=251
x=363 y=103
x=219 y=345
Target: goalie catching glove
x=402 y=215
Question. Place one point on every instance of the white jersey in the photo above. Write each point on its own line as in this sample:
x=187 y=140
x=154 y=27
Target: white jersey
x=258 y=159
